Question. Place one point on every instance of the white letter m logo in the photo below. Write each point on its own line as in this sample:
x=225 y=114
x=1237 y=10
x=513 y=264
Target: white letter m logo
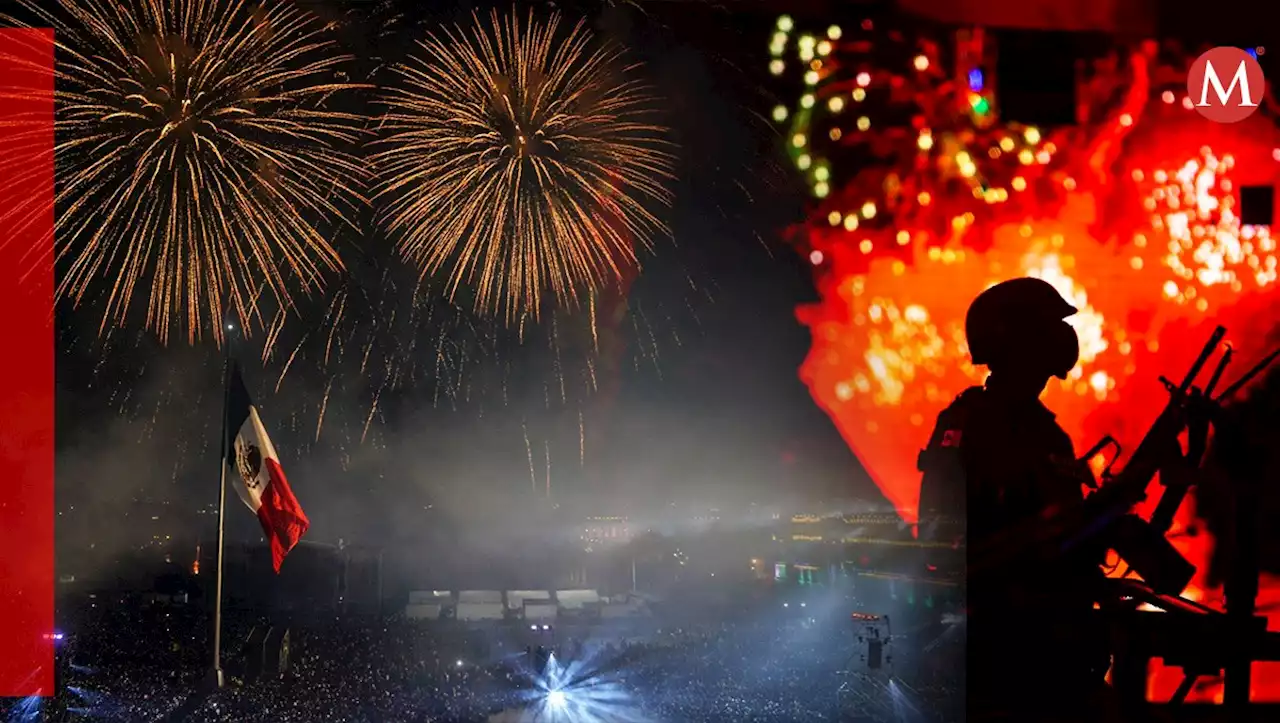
x=1241 y=78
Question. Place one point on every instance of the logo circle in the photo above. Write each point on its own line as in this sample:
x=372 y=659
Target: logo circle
x=1226 y=85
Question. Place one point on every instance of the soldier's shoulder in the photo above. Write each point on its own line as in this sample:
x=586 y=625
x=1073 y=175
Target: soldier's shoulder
x=967 y=400
x=966 y=405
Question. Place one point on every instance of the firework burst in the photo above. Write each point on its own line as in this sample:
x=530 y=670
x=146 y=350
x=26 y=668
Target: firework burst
x=199 y=158
x=520 y=163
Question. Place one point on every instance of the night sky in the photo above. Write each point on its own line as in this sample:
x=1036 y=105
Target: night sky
x=716 y=417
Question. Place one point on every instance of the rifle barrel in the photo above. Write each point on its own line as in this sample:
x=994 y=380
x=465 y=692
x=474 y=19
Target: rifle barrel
x=1248 y=376
x=1217 y=373
x=1214 y=340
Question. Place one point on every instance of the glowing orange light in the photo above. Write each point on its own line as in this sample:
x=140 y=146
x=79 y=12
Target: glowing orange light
x=917 y=360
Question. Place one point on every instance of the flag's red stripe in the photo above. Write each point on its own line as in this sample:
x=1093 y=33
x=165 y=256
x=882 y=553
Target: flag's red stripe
x=282 y=518
x=26 y=366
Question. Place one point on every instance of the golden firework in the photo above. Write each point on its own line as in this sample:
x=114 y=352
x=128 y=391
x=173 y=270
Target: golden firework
x=521 y=159
x=198 y=157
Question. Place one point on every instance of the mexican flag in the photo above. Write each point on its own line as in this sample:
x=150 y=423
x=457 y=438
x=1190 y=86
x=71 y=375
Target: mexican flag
x=260 y=479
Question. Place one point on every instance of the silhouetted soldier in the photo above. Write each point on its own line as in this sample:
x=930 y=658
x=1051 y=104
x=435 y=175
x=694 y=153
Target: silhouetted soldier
x=998 y=458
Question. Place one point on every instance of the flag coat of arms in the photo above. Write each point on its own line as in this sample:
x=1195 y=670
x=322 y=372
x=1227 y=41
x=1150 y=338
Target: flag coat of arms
x=259 y=479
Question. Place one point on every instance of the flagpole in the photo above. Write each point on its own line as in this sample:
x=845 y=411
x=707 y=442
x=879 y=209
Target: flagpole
x=216 y=673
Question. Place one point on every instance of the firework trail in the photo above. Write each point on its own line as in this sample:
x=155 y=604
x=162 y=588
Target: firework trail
x=199 y=159
x=533 y=479
x=520 y=161
x=368 y=28
x=367 y=336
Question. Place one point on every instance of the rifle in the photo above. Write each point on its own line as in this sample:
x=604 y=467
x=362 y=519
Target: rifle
x=1104 y=518
x=1159 y=449
x=1189 y=408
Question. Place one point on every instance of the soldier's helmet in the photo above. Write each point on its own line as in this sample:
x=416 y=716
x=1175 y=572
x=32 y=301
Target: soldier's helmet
x=1021 y=323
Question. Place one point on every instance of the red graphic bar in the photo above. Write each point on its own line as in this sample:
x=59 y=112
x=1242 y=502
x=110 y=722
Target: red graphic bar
x=26 y=363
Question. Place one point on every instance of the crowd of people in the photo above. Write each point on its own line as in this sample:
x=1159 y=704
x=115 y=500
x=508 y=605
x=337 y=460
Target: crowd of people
x=152 y=666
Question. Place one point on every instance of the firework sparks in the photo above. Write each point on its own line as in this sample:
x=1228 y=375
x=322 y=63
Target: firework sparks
x=528 y=448
x=521 y=162
x=367 y=336
x=197 y=157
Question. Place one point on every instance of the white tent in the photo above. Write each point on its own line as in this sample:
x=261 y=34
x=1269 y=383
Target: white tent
x=423 y=611
x=516 y=599
x=480 y=596
x=577 y=599
x=540 y=611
